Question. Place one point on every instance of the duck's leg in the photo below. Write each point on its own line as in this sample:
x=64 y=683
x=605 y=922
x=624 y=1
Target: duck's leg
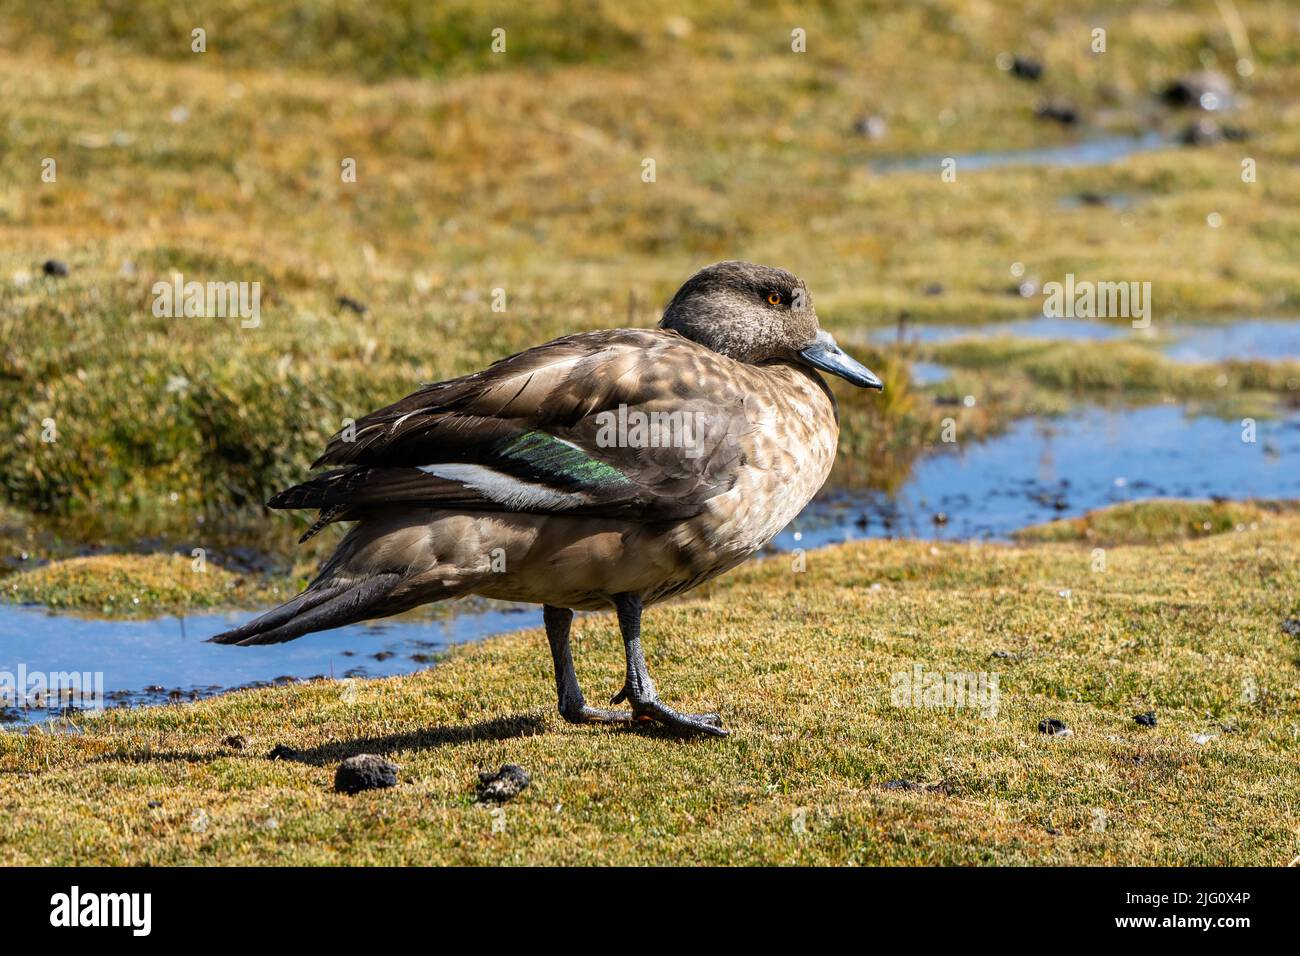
x=573 y=706
x=639 y=690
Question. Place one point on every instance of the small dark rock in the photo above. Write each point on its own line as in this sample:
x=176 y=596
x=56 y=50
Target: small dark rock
x=53 y=267
x=1091 y=199
x=364 y=772
x=1026 y=68
x=281 y=752
x=155 y=804
x=911 y=785
x=1147 y=719
x=347 y=302
x=1291 y=627
x=934 y=288
x=1053 y=726
x=503 y=785
x=1057 y=110
x=1206 y=90
x=236 y=741
x=382 y=655
x=872 y=127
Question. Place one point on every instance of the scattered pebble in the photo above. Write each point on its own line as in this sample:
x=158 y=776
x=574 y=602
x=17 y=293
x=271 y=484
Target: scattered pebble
x=1026 y=68
x=55 y=267
x=503 y=785
x=364 y=772
x=1291 y=627
x=155 y=804
x=1054 y=727
x=934 y=288
x=1207 y=90
x=281 y=752
x=872 y=127
x=1147 y=719
x=347 y=302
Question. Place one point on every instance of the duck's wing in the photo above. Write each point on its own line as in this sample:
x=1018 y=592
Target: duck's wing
x=628 y=423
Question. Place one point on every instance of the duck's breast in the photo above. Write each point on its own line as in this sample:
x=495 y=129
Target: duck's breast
x=789 y=450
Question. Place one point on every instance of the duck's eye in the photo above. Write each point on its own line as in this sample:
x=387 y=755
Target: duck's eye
x=774 y=298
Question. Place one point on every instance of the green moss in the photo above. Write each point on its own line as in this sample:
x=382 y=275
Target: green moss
x=127 y=585
x=1154 y=521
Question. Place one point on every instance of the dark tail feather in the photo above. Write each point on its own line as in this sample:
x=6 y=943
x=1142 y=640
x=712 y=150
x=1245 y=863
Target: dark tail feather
x=317 y=609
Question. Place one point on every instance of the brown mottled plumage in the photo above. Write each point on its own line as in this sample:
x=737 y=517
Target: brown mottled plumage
x=530 y=481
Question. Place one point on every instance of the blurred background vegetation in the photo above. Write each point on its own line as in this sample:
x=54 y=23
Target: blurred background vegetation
x=522 y=171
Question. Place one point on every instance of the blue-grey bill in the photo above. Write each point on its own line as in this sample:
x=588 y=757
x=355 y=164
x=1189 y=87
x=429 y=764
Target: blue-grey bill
x=829 y=357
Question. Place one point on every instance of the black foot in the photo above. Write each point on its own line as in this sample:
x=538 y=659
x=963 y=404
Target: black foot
x=653 y=709
x=596 y=715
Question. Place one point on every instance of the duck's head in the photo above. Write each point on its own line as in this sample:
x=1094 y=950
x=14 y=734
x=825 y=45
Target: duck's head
x=756 y=314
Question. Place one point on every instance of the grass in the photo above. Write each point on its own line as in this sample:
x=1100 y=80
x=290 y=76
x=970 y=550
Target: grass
x=522 y=172
x=143 y=585
x=1154 y=521
x=800 y=665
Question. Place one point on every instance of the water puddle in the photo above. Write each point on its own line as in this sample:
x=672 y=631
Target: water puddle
x=167 y=660
x=1043 y=469
x=1244 y=339
x=1262 y=339
x=1086 y=152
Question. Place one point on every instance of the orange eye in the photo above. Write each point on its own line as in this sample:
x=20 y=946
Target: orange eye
x=774 y=298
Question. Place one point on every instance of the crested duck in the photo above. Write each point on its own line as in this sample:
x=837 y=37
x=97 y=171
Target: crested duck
x=605 y=468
